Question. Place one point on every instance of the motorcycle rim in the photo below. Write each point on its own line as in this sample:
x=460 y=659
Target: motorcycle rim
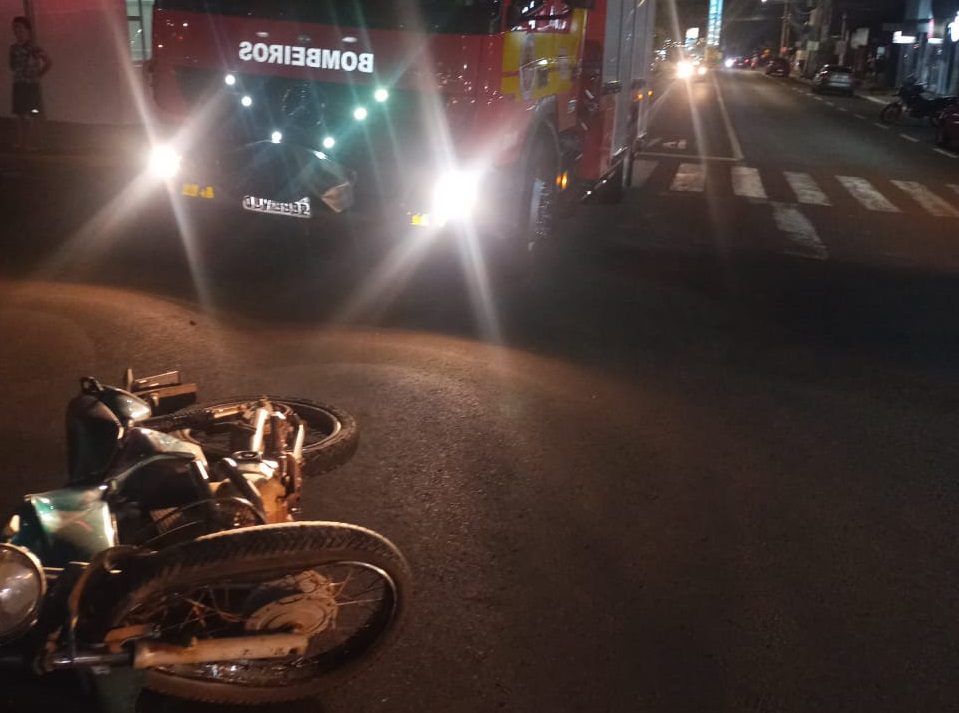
x=891 y=113
x=343 y=586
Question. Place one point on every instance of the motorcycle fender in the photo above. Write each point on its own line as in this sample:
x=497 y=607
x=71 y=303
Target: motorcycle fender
x=68 y=525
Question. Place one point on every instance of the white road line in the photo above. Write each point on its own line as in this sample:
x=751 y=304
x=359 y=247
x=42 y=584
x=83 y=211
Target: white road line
x=863 y=191
x=859 y=116
x=875 y=100
x=881 y=126
x=690 y=177
x=747 y=183
x=730 y=131
x=802 y=232
x=830 y=104
x=907 y=137
x=806 y=189
x=927 y=199
x=842 y=108
x=661 y=154
x=945 y=153
x=642 y=170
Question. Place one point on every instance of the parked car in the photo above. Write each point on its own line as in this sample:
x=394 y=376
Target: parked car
x=836 y=78
x=778 y=67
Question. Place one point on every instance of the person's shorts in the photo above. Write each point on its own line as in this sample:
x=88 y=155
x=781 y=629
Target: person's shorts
x=26 y=99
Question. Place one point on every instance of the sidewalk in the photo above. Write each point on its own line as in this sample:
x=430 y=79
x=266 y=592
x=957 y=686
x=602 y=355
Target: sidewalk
x=94 y=145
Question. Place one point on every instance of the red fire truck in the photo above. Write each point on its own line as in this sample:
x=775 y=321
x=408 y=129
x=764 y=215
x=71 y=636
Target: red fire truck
x=490 y=113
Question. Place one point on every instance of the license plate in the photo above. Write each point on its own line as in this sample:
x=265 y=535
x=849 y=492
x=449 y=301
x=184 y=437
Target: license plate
x=293 y=209
x=196 y=190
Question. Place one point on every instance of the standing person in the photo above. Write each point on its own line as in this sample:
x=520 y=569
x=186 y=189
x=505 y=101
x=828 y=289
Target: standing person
x=28 y=62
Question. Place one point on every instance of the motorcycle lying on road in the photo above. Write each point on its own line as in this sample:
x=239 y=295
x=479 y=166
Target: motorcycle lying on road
x=172 y=558
x=915 y=104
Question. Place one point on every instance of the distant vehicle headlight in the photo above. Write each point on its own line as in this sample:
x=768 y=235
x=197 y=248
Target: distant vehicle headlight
x=455 y=196
x=22 y=587
x=684 y=69
x=729 y=63
x=165 y=162
x=701 y=71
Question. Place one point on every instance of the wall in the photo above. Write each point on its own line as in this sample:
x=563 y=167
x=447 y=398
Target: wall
x=93 y=80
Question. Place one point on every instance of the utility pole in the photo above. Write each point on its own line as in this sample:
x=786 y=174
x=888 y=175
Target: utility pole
x=784 y=31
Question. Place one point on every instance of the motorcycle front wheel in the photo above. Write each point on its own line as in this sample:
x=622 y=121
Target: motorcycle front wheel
x=891 y=113
x=343 y=586
x=332 y=434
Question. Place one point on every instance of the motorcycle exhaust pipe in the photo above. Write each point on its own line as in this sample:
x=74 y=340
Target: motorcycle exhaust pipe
x=150 y=654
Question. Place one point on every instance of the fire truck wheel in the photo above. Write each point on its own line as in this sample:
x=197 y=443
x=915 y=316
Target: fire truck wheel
x=538 y=196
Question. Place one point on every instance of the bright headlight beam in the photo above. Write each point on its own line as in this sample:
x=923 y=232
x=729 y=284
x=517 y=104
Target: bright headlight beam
x=247 y=100
x=276 y=137
x=164 y=162
x=455 y=195
x=360 y=113
x=329 y=142
x=381 y=95
x=230 y=80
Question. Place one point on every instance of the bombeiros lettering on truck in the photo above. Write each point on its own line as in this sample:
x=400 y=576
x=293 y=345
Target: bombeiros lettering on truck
x=299 y=56
x=485 y=118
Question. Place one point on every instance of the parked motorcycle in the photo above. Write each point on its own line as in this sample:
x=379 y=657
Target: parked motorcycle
x=918 y=106
x=172 y=559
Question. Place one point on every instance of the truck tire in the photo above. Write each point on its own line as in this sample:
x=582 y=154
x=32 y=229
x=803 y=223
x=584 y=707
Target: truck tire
x=256 y=571
x=538 y=196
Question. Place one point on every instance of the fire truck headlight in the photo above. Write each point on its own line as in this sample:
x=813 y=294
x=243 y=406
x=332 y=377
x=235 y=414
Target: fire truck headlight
x=165 y=162
x=455 y=195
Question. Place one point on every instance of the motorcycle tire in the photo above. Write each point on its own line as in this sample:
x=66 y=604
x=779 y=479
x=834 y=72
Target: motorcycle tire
x=942 y=139
x=252 y=561
x=890 y=113
x=332 y=434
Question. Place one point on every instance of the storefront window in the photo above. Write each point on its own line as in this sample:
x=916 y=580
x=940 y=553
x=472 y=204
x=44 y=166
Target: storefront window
x=139 y=27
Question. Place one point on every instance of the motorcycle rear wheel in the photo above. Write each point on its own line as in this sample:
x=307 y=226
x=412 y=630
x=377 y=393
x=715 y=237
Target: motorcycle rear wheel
x=891 y=113
x=226 y=582
x=332 y=434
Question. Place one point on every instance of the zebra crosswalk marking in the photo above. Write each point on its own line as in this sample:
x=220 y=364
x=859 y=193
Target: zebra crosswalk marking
x=927 y=199
x=747 y=183
x=864 y=192
x=690 y=177
x=806 y=189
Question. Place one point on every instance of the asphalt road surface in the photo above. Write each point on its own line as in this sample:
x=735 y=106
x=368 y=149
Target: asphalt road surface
x=705 y=459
